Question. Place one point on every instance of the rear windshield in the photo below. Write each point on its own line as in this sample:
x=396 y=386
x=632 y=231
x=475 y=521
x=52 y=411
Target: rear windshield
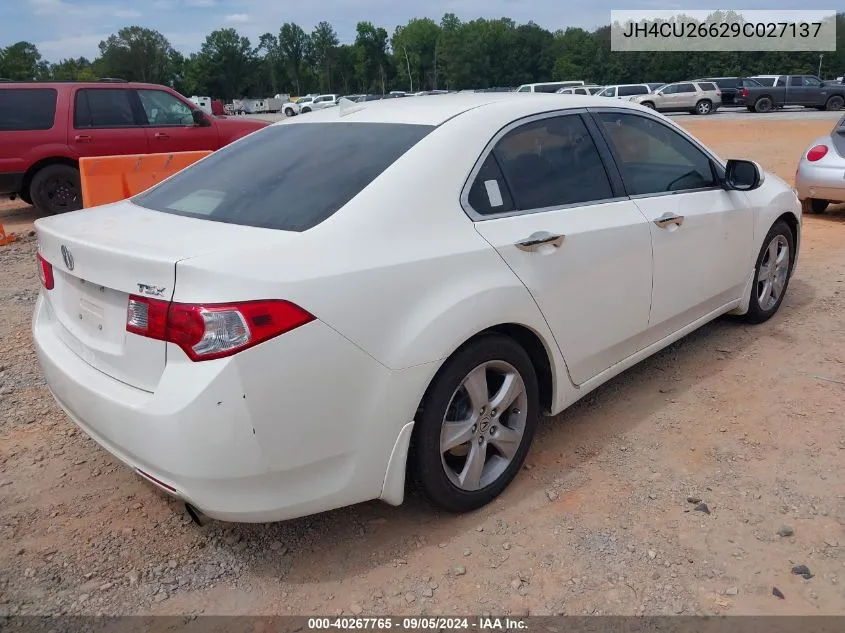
x=27 y=109
x=289 y=177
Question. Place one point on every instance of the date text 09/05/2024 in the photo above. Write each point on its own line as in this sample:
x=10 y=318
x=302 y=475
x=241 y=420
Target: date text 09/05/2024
x=723 y=30
x=419 y=623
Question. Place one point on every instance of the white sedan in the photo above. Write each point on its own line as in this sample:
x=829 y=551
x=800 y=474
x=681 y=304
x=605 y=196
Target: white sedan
x=267 y=335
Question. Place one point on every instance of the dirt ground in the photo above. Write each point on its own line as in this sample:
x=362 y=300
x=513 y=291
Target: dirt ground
x=747 y=419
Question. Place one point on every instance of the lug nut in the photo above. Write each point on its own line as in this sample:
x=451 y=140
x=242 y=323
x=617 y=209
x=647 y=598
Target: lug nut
x=474 y=428
x=481 y=440
x=492 y=430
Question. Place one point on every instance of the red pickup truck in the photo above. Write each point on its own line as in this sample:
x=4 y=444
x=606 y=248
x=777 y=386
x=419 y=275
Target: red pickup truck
x=45 y=128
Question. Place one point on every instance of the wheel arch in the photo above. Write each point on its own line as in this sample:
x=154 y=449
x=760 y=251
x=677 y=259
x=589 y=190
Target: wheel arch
x=533 y=344
x=41 y=164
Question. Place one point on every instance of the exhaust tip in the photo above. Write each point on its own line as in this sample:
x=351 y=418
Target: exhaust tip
x=196 y=516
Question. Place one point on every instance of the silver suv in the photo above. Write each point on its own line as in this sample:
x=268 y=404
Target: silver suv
x=697 y=97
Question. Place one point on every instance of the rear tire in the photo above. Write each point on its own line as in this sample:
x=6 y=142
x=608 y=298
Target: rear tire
x=763 y=105
x=704 y=107
x=56 y=189
x=498 y=434
x=771 y=274
x=814 y=205
x=306 y=110
x=834 y=103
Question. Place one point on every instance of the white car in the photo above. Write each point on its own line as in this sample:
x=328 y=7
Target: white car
x=267 y=335
x=292 y=108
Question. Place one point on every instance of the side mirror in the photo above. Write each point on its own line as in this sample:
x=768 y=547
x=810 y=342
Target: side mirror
x=743 y=175
x=200 y=118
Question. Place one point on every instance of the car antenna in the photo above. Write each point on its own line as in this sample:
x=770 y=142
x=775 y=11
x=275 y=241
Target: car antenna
x=347 y=106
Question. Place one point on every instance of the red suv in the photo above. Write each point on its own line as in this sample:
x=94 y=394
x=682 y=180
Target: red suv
x=46 y=127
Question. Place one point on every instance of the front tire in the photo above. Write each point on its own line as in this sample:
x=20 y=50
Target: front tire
x=834 y=103
x=476 y=424
x=771 y=273
x=814 y=205
x=56 y=189
x=288 y=111
x=649 y=105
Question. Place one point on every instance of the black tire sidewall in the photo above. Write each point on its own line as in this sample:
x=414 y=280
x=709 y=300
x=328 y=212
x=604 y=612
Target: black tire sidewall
x=39 y=198
x=764 y=100
x=833 y=99
x=755 y=313
x=425 y=458
x=708 y=111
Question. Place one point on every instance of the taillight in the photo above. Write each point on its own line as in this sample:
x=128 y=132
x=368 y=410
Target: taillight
x=718 y=94
x=816 y=153
x=205 y=332
x=45 y=273
x=745 y=92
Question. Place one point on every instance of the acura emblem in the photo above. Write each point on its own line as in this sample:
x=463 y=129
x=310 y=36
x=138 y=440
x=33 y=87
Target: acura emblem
x=66 y=255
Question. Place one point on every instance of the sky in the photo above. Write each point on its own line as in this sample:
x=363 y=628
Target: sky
x=73 y=28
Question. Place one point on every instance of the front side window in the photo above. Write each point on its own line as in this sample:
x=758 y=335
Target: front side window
x=812 y=82
x=608 y=92
x=552 y=162
x=525 y=89
x=654 y=158
x=103 y=108
x=27 y=109
x=251 y=182
x=162 y=108
x=668 y=90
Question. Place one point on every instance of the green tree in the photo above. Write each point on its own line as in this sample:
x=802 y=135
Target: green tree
x=226 y=66
x=371 y=57
x=79 y=69
x=415 y=52
x=138 y=54
x=22 y=62
x=323 y=50
x=293 y=46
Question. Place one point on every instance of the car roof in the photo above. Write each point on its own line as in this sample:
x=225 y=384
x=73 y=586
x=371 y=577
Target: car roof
x=437 y=111
x=81 y=84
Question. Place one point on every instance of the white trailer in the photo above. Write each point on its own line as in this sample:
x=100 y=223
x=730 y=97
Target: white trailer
x=204 y=103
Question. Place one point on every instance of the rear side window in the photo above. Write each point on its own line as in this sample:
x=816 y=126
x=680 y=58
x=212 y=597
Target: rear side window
x=103 y=108
x=288 y=177
x=627 y=91
x=686 y=88
x=27 y=109
x=489 y=193
x=707 y=86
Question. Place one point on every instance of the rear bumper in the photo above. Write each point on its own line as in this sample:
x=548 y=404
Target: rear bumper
x=11 y=182
x=251 y=438
x=823 y=182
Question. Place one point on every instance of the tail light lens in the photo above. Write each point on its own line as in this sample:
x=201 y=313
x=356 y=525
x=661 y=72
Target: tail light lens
x=45 y=273
x=745 y=92
x=718 y=94
x=816 y=153
x=206 y=332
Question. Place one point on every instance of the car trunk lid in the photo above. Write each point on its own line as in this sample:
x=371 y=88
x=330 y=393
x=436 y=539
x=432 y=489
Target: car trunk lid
x=102 y=256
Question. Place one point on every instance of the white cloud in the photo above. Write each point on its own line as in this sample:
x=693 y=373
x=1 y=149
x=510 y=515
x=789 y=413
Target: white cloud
x=236 y=18
x=60 y=8
x=73 y=46
x=126 y=13
x=201 y=3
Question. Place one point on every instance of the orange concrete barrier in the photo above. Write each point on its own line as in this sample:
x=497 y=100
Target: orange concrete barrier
x=108 y=179
x=6 y=238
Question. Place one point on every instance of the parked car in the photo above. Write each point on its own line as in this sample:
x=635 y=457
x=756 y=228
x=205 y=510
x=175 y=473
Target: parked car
x=239 y=351
x=320 y=102
x=625 y=91
x=294 y=107
x=697 y=97
x=731 y=88
x=548 y=86
x=580 y=90
x=820 y=178
x=46 y=127
x=797 y=90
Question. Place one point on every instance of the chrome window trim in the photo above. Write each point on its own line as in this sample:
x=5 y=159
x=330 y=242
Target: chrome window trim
x=488 y=149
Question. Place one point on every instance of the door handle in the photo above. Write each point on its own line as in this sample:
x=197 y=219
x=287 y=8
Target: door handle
x=536 y=240
x=667 y=219
x=82 y=138
x=162 y=136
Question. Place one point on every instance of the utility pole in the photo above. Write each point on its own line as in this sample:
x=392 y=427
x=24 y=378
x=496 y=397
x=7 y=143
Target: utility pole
x=820 y=65
x=435 y=66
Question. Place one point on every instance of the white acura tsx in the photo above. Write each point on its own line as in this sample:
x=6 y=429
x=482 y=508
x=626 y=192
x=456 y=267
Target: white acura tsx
x=393 y=292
